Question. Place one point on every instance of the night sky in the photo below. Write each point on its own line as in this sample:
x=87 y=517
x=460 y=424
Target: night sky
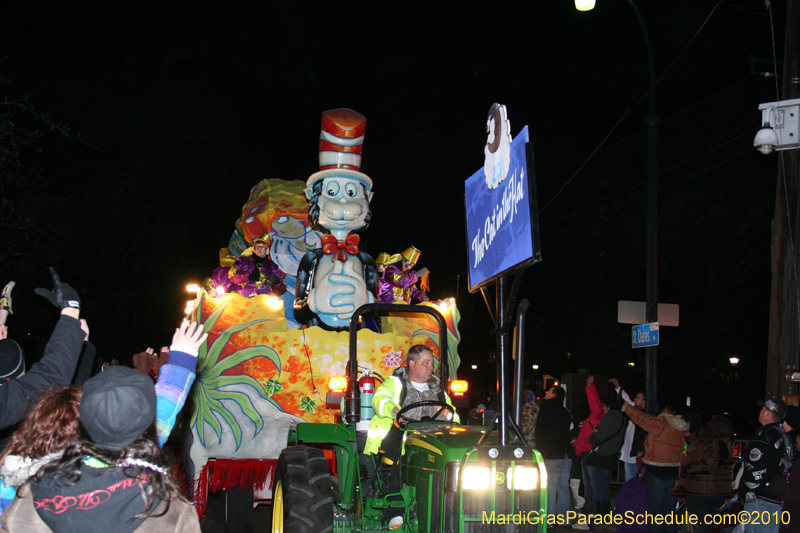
x=175 y=110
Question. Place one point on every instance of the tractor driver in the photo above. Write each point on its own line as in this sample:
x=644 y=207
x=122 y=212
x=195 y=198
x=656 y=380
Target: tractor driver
x=407 y=385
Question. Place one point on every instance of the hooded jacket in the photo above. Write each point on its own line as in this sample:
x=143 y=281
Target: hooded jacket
x=103 y=499
x=582 y=445
x=665 y=436
x=174 y=383
x=707 y=468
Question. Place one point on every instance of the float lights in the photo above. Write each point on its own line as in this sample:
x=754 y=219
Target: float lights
x=192 y=287
x=458 y=387
x=780 y=130
x=337 y=384
x=734 y=361
x=444 y=305
x=220 y=291
x=274 y=303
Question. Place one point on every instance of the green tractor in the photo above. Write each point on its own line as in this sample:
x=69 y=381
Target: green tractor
x=455 y=479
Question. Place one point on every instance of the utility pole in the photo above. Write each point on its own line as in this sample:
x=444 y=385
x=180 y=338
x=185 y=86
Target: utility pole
x=784 y=309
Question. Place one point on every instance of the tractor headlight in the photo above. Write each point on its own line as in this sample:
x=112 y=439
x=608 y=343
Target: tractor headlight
x=476 y=478
x=522 y=478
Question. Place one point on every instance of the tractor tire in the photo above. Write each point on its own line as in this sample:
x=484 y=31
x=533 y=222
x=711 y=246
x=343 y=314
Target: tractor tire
x=306 y=492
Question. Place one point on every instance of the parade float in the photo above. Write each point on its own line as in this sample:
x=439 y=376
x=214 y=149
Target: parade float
x=268 y=359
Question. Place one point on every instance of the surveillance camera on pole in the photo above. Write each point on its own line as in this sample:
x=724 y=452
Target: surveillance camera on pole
x=780 y=130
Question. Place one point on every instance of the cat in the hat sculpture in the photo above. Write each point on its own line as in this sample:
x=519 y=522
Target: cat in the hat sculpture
x=335 y=280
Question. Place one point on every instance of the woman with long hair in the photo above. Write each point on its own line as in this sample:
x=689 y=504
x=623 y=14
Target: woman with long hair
x=53 y=429
x=53 y=423
x=116 y=479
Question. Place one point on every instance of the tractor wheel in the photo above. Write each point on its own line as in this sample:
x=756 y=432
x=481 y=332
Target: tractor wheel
x=303 y=495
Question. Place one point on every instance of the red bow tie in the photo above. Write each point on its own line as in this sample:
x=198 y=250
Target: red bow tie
x=341 y=248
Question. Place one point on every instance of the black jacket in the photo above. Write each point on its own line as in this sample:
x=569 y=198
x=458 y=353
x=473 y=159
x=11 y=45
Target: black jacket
x=57 y=367
x=552 y=430
x=610 y=433
x=769 y=454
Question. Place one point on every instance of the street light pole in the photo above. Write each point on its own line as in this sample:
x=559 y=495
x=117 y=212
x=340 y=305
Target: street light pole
x=652 y=120
x=651 y=352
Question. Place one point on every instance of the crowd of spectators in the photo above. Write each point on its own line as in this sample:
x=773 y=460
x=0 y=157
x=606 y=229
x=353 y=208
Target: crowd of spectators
x=679 y=463
x=83 y=452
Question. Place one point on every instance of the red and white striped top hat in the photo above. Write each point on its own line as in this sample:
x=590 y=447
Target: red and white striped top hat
x=340 y=144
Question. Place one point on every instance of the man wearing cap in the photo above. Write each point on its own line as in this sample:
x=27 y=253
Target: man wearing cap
x=769 y=453
x=398 y=280
x=338 y=278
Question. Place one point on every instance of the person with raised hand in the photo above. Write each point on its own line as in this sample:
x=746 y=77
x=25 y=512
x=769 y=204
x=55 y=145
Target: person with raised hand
x=5 y=304
x=115 y=477
x=18 y=390
x=177 y=375
x=56 y=415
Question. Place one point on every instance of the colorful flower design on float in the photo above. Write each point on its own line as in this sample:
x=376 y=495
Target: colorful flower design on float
x=210 y=386
x=392 y=359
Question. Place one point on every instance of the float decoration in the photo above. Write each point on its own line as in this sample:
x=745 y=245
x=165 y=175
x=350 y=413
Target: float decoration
x=276 y=209
x=258 y=373
x=336 y=279
x=398 y=279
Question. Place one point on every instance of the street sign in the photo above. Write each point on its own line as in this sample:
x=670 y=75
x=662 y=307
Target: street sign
x=634 y=313
x=645 y=335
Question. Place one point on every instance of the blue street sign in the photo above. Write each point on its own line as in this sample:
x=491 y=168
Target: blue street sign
x=645 y=335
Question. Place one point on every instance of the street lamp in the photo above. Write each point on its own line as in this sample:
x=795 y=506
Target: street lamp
x=535 y=376
x=780 y=130
x=651 y=352
x=734 y=361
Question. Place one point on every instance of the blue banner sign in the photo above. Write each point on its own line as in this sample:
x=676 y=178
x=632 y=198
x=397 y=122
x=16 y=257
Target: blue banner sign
x=645 y=335
x=502 y=221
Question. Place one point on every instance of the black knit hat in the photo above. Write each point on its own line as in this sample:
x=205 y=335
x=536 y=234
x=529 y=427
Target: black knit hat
x=118 y=405
x=792 y=416
x=12 y=364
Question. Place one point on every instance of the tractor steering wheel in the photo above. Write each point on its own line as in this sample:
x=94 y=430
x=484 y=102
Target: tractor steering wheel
x=425 y=403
